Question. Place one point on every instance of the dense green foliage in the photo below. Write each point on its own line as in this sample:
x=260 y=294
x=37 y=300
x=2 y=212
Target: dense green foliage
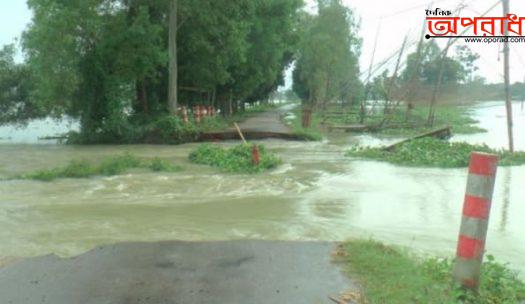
x=327 y=67
x=431 y=152
x=237 y=159
x=392 y=276
x=164 y=129
x=112 y=166
x=16 y=102
x=105 y=62
x=431 y=59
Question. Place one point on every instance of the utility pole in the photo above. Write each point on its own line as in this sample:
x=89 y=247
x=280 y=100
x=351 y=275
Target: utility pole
x=394 y=77
x=173 y=72
x=508 y=96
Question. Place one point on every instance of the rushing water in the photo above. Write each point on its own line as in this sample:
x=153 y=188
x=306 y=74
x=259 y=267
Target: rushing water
x=317 y=194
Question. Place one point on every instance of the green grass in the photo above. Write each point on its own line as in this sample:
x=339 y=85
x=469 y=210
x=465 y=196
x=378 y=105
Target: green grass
x=236 y=160
x=115 y=165
x=431 y=152
x=313 y=133
x=160 y=165
x=394 y=276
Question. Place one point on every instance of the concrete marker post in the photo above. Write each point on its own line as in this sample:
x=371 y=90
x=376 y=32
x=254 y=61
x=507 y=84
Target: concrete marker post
x=474 y=224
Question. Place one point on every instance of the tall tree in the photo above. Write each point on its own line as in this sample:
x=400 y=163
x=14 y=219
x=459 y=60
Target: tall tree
x=327 y=67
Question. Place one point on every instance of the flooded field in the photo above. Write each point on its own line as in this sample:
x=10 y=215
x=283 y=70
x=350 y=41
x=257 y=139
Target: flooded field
x=317 y=194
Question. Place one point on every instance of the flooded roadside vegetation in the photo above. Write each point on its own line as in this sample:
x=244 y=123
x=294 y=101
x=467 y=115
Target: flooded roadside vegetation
x=193 y=141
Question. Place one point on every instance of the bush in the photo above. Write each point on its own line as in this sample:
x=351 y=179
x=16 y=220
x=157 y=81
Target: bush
x=119 y=164
x=237 y=159
x=432 y=152
x=160 y=165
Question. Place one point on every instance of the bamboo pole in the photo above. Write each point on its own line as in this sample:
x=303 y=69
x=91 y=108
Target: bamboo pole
x=363 y=102
x=240 y=132
x=394 y=77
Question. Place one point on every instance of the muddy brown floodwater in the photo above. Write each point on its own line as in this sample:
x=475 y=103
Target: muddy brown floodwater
x=317 y=194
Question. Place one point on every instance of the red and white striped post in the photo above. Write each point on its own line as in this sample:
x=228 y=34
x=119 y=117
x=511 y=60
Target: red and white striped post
x=476 y=211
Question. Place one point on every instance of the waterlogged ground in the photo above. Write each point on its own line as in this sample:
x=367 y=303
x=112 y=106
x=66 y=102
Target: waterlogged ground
x=317 y=194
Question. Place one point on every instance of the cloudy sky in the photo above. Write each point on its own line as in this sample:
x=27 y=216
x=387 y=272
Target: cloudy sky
x=397 y=18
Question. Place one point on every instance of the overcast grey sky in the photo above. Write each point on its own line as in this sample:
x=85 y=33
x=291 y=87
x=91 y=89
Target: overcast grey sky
x=397 y=18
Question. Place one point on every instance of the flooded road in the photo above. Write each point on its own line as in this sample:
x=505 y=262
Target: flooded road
x=317 y=194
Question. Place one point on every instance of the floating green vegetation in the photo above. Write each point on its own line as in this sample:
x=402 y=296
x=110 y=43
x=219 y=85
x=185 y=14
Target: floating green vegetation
x=112 y=166
x=432 y=152
x=236 y=160
x=390 y=275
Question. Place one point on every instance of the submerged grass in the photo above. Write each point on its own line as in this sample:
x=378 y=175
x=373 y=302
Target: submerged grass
x=313 y=133
x=111 y=166
x=400 y=124
x=432 y=152
x=236 y=160
x=457 y=117
x=390 y=275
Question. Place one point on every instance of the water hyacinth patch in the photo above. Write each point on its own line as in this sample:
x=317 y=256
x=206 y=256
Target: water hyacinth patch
x=432 y=152
x=237 y=159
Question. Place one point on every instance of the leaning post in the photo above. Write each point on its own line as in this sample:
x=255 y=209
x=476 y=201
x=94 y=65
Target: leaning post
x=474 y=224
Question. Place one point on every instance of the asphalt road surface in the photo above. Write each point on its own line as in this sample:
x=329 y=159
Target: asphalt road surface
x=179 y=272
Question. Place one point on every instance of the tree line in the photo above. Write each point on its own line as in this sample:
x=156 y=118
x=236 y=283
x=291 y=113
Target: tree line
x=119 y=66
x=116 y=64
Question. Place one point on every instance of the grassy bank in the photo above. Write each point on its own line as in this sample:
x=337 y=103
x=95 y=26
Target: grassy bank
x=111 y=166
x=394 y=276
x=431 y=152
x=237 y=159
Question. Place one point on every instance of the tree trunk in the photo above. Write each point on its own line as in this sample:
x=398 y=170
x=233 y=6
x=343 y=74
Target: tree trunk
x=230 y=104
x=173 y=82
x=142 y=96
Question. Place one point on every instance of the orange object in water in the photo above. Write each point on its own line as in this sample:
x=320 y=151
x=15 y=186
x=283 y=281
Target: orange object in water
x=256 y=157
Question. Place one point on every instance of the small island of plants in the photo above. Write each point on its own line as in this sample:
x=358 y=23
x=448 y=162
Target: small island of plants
x=237 y=159
x=115 y=165
x=432 y=152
